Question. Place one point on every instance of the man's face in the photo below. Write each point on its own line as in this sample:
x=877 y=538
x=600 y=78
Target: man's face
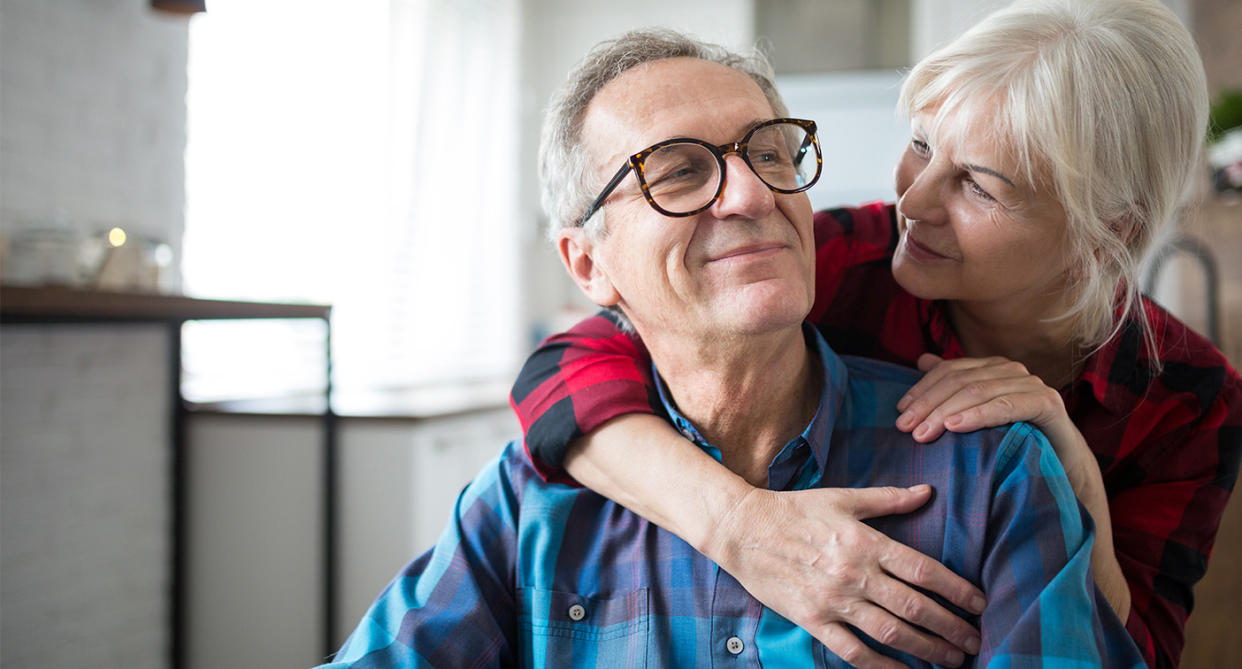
x=743 y=266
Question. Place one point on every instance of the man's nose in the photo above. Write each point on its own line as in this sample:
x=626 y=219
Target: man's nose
x=744 y=193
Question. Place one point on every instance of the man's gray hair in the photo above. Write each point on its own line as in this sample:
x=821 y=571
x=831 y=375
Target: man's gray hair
x=568 y=180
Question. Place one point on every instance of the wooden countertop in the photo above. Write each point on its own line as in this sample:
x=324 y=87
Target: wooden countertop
x=56 y=303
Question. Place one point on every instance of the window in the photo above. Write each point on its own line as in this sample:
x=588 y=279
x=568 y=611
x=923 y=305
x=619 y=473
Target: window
x=361 y=154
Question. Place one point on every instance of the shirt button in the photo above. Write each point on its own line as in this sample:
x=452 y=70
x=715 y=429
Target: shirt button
x=576 y=612
x=734 y=645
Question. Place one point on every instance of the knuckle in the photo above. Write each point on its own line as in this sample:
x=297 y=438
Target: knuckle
x=888 y=633
x=850 y=652
x=1016 y=368
x=913 y=608
x=893 y=493
x=841 y=572
x=920 y=572
x=1052 y=397
x=1006 y=404
x=976 y=389
x=955 y=375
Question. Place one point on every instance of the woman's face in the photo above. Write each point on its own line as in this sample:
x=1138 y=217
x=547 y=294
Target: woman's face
x=972 y=229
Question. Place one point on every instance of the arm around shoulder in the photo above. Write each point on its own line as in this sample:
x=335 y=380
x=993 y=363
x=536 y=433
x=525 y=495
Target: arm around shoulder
x=576 y=381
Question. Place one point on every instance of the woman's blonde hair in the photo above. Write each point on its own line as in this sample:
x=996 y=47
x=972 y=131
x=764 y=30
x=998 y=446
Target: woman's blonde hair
x=1106 y=100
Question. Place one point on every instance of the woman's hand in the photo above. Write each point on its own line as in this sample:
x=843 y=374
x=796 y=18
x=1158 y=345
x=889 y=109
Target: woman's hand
x=969 y=394
x=807 y=555
x=974 y=393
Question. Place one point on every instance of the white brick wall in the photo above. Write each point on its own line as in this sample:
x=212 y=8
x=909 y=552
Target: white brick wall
x=92 y=134
x=84 y=496
x=92 y=117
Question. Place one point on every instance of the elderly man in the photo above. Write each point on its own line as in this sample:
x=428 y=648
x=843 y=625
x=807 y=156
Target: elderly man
x=702 y=243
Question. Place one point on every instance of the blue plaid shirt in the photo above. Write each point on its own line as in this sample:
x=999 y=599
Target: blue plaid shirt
x=538 y=574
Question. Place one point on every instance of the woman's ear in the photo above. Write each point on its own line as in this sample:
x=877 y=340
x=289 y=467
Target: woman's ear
x=1126 y=229
x=578 y=253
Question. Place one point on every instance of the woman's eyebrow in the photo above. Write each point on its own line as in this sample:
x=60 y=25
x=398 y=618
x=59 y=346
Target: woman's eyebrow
x=990 y=172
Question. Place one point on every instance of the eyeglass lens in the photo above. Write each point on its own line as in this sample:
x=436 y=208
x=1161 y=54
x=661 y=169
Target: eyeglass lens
x=684 y=177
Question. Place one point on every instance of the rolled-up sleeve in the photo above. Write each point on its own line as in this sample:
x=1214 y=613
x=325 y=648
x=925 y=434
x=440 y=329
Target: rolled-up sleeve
x=1044 y=608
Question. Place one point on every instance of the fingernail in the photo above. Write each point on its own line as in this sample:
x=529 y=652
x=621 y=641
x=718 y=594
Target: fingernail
x=972 y=645
x=905 y=421
x=922 y=431
x=978 y=604
x=953 y=421
x=953 y=658
x=904 y=402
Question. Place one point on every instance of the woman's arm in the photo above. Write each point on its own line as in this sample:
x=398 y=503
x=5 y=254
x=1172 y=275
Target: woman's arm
x=805 y=554
x=574 y=382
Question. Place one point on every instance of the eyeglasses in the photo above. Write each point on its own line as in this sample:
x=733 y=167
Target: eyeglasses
x=684 y=176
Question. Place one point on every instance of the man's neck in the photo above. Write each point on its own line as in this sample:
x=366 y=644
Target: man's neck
x=748 y=396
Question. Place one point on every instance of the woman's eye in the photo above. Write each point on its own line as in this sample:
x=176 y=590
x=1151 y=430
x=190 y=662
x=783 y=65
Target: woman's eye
x=977 y=190
x=920 y=147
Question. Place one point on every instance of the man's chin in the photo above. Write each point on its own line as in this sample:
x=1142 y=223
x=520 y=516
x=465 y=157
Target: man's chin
x=763 y=316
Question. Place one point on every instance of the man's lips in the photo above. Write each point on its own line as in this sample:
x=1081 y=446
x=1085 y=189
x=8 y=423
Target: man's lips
x=748 y=251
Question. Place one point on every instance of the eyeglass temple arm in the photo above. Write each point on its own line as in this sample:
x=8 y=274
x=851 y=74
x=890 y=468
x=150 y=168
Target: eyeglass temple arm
x=603 y=194
x=806 y=144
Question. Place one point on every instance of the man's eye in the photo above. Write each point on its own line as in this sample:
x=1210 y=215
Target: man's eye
x=673 y=173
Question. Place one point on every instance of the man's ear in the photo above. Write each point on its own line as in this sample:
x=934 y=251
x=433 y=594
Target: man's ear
x=577 y=251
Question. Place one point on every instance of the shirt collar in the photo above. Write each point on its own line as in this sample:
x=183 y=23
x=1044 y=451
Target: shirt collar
x=818 y=433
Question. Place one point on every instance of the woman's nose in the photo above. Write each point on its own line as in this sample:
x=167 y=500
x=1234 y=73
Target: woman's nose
x=922 y=199
x=744 y=192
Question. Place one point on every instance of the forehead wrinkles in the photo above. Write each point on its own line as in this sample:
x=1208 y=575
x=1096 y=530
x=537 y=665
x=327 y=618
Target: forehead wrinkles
x=666 y=98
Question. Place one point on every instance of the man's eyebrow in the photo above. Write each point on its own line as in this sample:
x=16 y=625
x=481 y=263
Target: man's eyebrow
x=991 y=172
x=756 y=123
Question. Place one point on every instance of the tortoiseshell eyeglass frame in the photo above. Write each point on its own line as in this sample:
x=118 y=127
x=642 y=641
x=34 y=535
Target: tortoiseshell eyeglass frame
x=635 y=164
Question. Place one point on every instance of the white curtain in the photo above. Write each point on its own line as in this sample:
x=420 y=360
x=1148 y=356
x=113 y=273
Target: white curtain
x=362 y=154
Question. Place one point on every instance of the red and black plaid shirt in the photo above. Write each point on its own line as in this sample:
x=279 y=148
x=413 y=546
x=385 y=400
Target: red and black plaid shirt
x=1168 y=444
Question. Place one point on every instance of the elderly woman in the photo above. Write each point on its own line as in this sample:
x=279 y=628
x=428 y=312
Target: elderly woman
x=1049 y=145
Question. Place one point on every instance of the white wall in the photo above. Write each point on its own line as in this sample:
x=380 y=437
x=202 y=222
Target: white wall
x=84 y=496
x=92 y=129
x=92 y=117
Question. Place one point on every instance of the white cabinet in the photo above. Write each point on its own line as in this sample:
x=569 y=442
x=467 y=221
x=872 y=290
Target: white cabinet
x=255 y=501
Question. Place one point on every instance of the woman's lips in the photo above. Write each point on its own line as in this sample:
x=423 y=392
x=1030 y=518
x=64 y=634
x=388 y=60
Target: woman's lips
x=922 y=252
